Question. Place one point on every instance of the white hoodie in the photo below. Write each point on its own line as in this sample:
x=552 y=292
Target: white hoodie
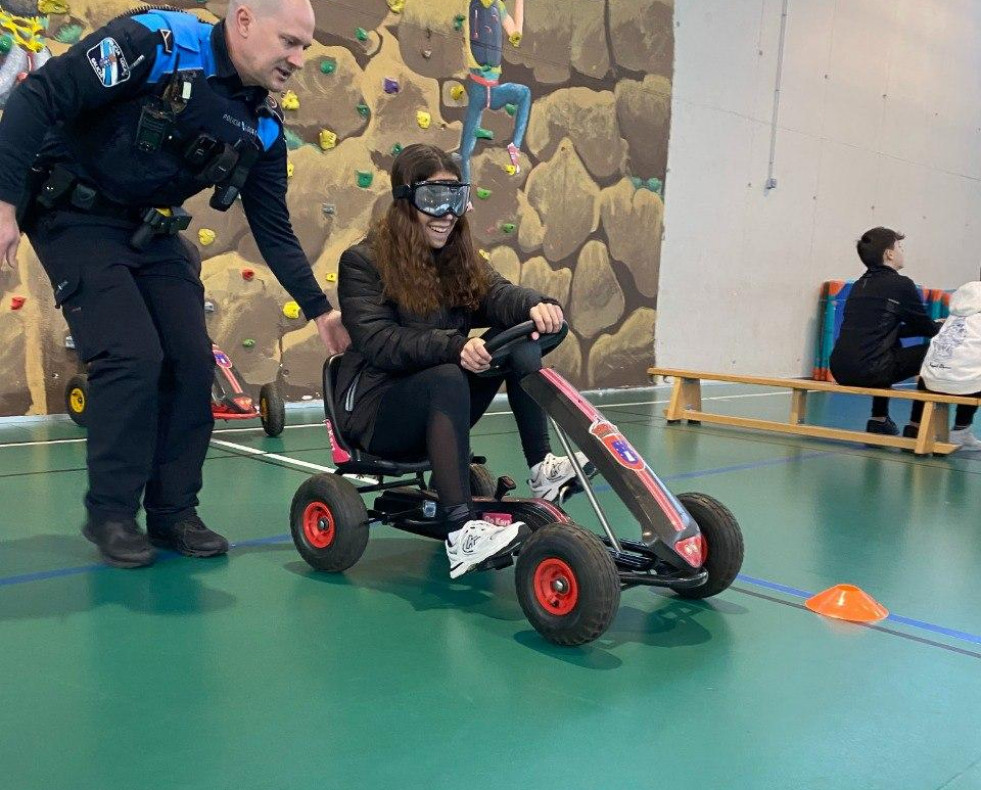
x=953 y=363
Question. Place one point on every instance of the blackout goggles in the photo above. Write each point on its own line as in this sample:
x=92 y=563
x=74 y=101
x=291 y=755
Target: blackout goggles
x=436 y=198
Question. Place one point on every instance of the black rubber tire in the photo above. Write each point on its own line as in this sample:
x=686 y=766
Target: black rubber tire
x=272 y=409
x=723 y=542
x=77 y=398
x=337 y=499
x=482 y=481
x=595 y=575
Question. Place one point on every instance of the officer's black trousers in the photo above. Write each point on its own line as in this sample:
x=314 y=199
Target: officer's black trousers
x=137 y=319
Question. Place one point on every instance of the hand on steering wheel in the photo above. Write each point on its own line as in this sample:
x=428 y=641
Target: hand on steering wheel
x=474 y=357
x=547 y=317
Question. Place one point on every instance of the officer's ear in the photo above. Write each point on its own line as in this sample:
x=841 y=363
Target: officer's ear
x=243 y=20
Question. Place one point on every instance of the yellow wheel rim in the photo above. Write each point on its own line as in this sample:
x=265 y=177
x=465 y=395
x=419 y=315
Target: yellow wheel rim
x=263 y=408
x=77 y=400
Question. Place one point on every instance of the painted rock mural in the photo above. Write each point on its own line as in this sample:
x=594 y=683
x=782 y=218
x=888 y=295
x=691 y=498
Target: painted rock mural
x=559 y=111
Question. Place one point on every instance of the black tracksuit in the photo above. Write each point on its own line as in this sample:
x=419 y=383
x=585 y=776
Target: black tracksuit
x=883 y=307
x=137 y=316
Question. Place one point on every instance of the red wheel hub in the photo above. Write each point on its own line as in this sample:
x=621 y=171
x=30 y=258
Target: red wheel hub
x=318 y=525
x=556 y=588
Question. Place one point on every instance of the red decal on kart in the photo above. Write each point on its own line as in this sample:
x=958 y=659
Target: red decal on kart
x=617 y=445
x=339 y=454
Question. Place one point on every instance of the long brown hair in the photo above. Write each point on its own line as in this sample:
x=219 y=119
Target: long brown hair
x=411 y=274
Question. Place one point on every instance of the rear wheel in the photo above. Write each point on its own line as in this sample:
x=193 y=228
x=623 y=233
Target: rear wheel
x=272 y=409
x=329 y=523
x=722 y=543
x=567 y=584
x=77 y=397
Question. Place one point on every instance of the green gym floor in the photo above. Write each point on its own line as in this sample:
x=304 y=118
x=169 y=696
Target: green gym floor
x=253 y=671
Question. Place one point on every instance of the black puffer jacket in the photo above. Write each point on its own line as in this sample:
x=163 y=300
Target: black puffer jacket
x=388 y=343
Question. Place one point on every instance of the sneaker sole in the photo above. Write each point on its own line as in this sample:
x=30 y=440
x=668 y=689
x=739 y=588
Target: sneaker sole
x=197 y=553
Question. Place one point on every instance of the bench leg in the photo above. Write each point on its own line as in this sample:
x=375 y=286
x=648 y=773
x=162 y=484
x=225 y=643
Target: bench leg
x=926 y=435
x=798 y=407
x=685 y=394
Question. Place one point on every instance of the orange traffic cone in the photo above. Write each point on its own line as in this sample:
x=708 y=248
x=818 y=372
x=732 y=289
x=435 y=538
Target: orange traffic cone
x=847 y=602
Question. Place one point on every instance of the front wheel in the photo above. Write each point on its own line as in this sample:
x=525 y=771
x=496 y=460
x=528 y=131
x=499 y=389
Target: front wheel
x=567 y=584
x=722 y=544
x=272 y=409
x=77 y=398
x=329 y=523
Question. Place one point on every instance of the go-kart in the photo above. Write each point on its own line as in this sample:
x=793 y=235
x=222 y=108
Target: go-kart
x=228 y=399
x=568 y=578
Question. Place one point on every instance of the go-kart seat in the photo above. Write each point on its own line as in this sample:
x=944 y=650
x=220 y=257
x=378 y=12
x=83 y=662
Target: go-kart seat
x=348 y=457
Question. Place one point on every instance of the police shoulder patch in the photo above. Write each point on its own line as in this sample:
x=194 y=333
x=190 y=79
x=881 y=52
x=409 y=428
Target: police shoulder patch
x=109 y=63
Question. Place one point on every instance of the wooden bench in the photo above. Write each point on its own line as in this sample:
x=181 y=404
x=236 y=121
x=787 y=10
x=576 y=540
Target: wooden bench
x=933 y=436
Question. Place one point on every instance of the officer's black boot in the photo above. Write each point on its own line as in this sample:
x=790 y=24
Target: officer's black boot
x=188 y=536
x=120 y=542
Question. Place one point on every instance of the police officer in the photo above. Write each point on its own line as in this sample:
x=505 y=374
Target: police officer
x=98 y=150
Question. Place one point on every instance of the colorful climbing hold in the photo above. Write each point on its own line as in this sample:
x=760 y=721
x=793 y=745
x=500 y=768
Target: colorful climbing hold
x=396 y=149
x=391 y=86
x=457 y=92
x=6 y=43
x=396 y=6
x=69 y=342
x=515 y=38
x=17 y=302
x=365 y=177
x=291 y=310
x=458 y=21
x=484 y=254
x=248 y=274
x=290 y=169
x=327 y=139
x=248 y=343
x=209 y=306
x=328 y=66
x=361 y=34
x=510 y=170
x=206 y=236
x=424 y=119
x=332 y=277
x=507 y=227
x=483 y=134
x=363 y=110
x=482 y=193
x=511 y=109
x=329 y=209
x=290 y=101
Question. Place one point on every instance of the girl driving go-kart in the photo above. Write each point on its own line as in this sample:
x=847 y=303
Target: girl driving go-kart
x=409 y=385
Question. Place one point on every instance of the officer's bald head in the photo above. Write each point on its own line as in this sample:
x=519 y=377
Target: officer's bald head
x=266 y=39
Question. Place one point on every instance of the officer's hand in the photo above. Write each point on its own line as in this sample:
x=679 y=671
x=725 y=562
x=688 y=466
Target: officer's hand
x=547 y=318
x=474 y=356
x=332 y=332
x=9 y=234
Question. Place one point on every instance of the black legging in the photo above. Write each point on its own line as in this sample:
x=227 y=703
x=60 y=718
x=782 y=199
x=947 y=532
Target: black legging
x=962 y=418
x=431 y=412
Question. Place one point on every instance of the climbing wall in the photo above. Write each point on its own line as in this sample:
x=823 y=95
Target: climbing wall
x=581 y=220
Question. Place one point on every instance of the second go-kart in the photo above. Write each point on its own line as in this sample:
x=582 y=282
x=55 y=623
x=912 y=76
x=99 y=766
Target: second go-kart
x=568 y=578
x=229 y=400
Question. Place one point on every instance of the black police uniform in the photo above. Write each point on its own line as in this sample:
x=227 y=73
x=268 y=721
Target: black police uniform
x=882 y=307
x=144 y=113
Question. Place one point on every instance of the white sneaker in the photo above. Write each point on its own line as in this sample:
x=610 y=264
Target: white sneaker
x=966 y=439
x=548 y=477
x=477 y=541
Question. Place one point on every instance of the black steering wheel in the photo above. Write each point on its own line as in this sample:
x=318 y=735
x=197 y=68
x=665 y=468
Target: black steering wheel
x=502 y=345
